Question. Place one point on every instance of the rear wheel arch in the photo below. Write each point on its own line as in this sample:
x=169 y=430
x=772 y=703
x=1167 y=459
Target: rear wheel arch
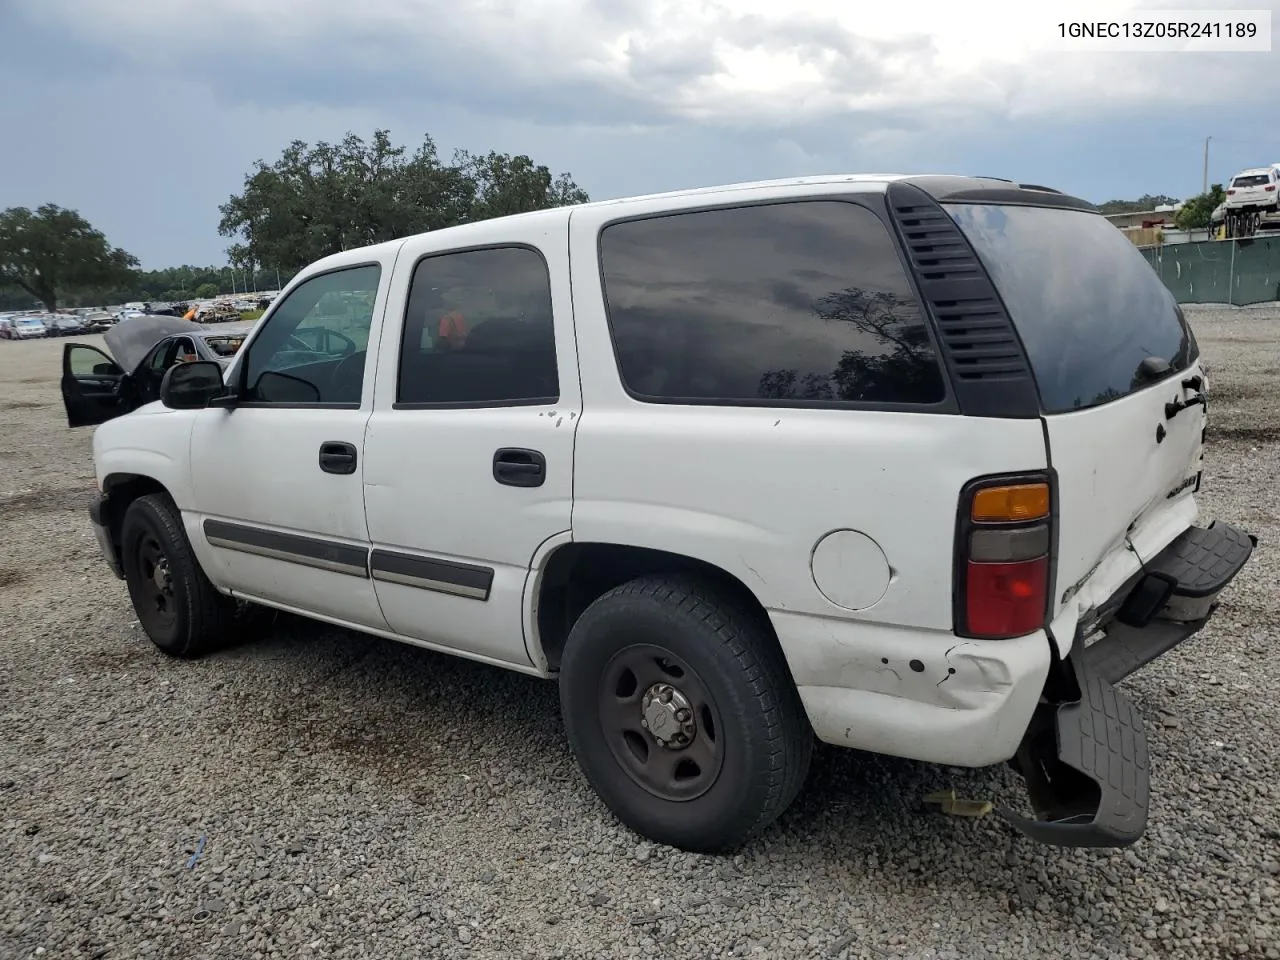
x=575 y=574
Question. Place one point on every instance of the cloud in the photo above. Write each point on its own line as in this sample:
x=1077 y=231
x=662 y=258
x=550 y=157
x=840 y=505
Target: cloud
x=654 y=62
x=145 y=114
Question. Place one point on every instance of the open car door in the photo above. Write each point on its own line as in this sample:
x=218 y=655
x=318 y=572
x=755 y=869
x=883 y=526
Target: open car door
x=91 y=383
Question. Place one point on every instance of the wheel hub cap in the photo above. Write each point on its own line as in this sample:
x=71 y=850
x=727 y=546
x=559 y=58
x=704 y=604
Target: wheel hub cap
x=161 y=575
x=668 y=716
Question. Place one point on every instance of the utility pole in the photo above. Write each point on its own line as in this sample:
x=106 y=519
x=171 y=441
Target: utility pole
x=1205 y=188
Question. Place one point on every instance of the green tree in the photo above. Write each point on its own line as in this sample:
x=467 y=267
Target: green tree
x=206 y=291
x=52 y=251
x=1143 y=204
x=505 y=184
x=1197 y=212
x=316 y=200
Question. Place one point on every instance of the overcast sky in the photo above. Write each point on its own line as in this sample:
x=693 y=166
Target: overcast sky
x=144 y=115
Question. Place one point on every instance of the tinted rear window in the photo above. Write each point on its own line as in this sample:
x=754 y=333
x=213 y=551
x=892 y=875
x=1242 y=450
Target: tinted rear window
x=1086 y=303
x=788 y=303
x=1254 y=180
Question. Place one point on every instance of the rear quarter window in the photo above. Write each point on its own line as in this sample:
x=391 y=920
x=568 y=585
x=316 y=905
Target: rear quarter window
x=1086 y=304
x=804 y=303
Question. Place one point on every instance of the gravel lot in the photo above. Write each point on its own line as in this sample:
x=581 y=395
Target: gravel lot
x=350 y=797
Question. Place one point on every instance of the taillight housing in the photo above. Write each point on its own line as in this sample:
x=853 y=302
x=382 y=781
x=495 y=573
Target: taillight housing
x=1230 y=193
x=1269 y=187
x=1004 y=556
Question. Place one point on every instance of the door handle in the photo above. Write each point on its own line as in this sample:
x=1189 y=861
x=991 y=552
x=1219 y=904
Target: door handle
x=517 y=467
x=337 y=457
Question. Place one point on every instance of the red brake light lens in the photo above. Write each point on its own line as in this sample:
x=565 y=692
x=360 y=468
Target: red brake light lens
x=1006 y=599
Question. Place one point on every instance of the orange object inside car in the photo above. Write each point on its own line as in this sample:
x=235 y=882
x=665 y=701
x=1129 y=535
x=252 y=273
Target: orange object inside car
x=452 y=329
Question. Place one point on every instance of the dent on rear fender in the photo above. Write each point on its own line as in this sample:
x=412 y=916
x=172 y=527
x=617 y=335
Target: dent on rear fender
x=930 y=667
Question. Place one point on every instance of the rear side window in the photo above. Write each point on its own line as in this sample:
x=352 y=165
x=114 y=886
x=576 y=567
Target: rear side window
x=805 y=302
x=1086 y=303
x=478 y=331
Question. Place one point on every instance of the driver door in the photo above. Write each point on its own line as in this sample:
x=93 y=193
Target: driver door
x=278 y=472
x=91 y=386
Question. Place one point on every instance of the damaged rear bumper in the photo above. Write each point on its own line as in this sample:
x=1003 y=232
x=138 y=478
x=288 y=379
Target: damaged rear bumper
x=1084 y=756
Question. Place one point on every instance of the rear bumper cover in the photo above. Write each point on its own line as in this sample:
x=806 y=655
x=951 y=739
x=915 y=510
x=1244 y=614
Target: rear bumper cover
x=1084 y=755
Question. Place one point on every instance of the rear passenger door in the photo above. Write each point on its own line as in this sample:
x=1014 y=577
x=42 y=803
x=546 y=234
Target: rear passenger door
x=469 y=452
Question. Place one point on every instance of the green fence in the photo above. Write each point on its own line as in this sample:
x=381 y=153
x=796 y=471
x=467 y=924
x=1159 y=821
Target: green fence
x=1237 y=272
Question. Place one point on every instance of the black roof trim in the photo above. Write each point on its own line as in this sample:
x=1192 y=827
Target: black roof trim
x=948 y=189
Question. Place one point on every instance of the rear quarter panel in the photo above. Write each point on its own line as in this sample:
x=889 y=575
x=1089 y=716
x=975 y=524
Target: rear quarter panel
x=753 y=491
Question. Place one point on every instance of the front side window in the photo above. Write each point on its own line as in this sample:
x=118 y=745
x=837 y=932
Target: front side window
x=478 y=331
x=804 y=302
x=312 y=347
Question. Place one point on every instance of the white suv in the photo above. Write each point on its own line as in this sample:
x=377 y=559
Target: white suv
x=1255 y=189
x=866 y=459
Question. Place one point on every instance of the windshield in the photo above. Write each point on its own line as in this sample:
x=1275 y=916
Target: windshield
x=1088 y=307
x=1252 y=180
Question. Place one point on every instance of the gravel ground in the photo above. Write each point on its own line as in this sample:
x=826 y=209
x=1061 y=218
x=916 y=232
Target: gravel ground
x=322 y=794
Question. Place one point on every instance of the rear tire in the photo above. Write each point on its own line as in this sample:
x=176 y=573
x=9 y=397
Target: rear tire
x=180 y=610
x=682 y=713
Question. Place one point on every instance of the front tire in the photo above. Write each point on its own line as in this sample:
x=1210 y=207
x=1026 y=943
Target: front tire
x=180 y=610
x=682 y=713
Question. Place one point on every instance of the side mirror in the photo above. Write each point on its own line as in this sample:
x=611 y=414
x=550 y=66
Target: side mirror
x=190 y=386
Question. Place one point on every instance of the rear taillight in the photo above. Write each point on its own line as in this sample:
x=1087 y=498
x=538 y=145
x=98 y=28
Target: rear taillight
x=1230 y=192
x=1003 y=549
x=1269 y=187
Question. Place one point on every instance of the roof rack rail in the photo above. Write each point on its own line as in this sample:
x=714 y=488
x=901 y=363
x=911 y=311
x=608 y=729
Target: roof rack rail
x=1036 y=186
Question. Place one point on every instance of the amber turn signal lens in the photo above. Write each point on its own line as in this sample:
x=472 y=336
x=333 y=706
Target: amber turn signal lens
x=1023 y=501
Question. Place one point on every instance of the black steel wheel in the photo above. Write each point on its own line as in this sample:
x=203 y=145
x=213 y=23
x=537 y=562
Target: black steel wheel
x=661 y=722
x=682 y=714
x=157 y=606
x=180 y=610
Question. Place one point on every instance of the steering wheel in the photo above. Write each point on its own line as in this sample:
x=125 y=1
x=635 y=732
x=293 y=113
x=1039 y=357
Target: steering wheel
x=348 y=345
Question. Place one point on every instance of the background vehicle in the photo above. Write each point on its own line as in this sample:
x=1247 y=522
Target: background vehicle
x=1254 y=188
x=27 y=328
x=219 y=311
x=95 y=386
x=98 y=321
x=1253 y=201
x=63 y=325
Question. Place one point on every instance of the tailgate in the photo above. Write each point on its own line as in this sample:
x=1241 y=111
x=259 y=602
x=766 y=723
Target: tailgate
x=1126 y=473
x=1121 y=388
